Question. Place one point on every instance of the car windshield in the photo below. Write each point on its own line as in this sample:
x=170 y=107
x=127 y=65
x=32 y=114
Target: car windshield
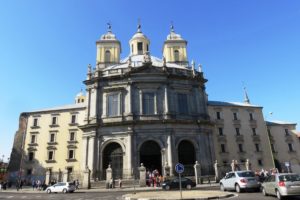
x=289 y=177
x=246 y=174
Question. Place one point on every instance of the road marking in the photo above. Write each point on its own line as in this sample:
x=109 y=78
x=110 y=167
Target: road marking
x=9 y=197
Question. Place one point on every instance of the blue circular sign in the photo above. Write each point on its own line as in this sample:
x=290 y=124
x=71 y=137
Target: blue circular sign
x=179 y=168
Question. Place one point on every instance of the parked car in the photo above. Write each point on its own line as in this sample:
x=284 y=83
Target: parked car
x=240 y=181
x=174 y=183
x=61 y=187
x=282 y=185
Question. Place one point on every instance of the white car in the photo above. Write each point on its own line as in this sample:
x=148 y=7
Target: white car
x=61 y=187
x=239 y=180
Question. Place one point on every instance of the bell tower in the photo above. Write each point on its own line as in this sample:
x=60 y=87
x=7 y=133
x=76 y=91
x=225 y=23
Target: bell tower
x=139 y=43
x=174 y=49
x=108 y=49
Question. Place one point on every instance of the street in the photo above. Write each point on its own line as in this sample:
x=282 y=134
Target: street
x=117 y=195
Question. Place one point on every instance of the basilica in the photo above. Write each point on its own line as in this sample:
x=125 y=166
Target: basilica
x=147 y=110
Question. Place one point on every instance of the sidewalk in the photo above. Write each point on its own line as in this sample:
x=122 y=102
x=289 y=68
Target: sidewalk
x=203 y=191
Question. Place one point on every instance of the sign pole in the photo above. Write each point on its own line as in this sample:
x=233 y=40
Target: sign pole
x=180 y=186
x=179 y=168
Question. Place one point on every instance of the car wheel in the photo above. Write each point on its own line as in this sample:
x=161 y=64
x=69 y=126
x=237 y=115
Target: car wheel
x=64 y=190
x=167 y=187
x=278 y=195
x=188 y=186
x=222 y=188
x=48 y=191
x=237 y=188
x=264 y=192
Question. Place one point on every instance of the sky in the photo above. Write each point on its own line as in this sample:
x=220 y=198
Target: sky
x=45 y=47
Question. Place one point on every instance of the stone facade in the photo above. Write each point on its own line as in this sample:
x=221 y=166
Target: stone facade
x=141 y=111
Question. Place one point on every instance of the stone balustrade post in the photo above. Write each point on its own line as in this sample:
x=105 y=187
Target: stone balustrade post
x=142 y=180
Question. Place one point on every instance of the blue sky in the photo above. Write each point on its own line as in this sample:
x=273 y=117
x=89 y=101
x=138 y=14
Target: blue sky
x=45 y=47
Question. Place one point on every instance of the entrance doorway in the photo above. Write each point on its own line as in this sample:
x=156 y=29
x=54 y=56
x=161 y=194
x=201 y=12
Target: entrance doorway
x=150 y=156
x=113 y=156
x=186 y=156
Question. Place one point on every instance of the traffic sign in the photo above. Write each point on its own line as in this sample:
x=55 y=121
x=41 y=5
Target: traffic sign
x=179 y=168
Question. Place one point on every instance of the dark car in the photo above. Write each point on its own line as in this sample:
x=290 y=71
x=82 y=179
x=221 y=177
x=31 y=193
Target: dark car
x=174 y=183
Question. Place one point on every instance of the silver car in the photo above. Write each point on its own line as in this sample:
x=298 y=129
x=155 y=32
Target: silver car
x=282 y=185
x=61 y=187
x=239 y=181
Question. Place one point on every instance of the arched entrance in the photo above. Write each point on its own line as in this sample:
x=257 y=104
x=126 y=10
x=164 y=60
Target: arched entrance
x=150 y=156
x=113 y=155
x=187 y=157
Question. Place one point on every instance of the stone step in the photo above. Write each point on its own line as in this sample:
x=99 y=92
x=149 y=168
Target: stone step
x=125 y=183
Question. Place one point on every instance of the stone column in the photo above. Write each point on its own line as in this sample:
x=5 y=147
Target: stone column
x=166 y=170
x=170 y=158
x=129 y=103
x=166 y=102
x=86 y=182
x=197 y=168
x=129 y=154
x=91 y=152
x=142 y=171
x=47 y=179
x=216 y=168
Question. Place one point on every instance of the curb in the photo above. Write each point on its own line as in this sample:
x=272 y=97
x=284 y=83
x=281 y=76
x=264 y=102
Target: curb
x=204 y=198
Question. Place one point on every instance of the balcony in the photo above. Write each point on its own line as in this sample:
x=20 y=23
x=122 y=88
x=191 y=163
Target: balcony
x=222 y=138
x=256 y=138
x=239 y=138
x=253 y=123
x=236 y=122
x=288 y=138
x=219 y=122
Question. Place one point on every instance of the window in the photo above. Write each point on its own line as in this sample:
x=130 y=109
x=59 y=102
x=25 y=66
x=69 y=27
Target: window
x=259 y=162
x=237 y=131
x=71 y=154
x=273 y=148
x=35 y=122
x=218 y=115
x=107 y=56
x=235 y=116
x=73 y=119
x=220 y=131
x=132 y=48
x=72 y=136
x=176 y=56
x=257 y=148
x=182 y=103
x=286 y=131
x=113 y=105
x=253 y=131
x=251 y=116
x=50 y=155
x=54 y=120
x=31 y=156
x=148 y=103
x=291 y=148
x=223 y=150
x=52 y=137
x=140 y=48
x=33 y=139
x=241 y=148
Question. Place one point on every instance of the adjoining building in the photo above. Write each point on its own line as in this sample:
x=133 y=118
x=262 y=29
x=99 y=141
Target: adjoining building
x=141 y=109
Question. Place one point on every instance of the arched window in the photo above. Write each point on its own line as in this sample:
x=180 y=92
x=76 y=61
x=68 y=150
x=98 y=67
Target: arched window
x=107 y=56
x=176 y=55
